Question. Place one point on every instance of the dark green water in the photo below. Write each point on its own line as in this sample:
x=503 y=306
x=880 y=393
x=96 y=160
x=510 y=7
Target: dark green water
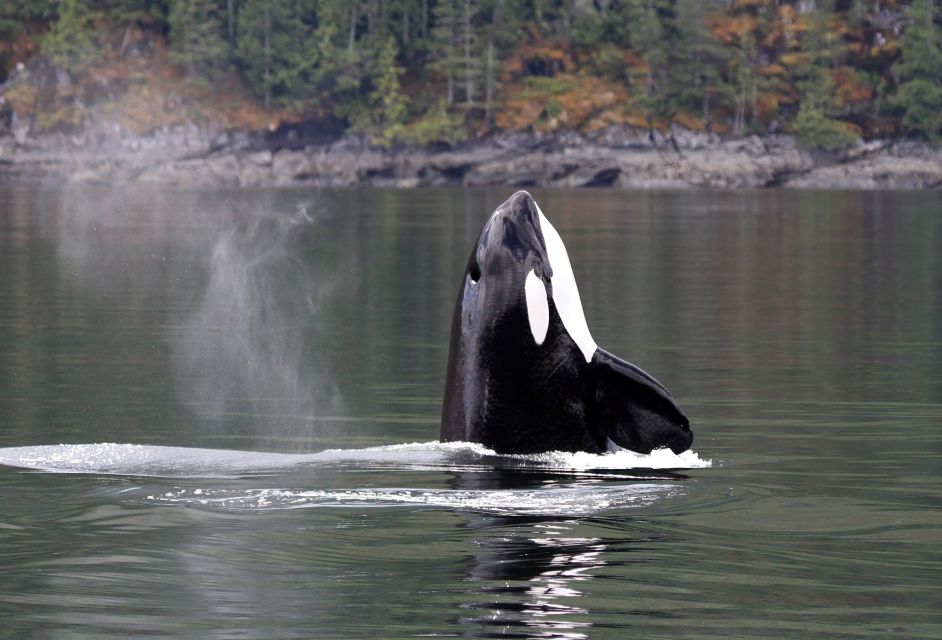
x=802 y=332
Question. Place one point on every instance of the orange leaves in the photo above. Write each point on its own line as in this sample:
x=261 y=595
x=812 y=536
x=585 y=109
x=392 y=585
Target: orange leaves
x=22 y=97
x=731 y=30
x=576 y=101
x=851 y=86
x=689 y=122
x=771 y=71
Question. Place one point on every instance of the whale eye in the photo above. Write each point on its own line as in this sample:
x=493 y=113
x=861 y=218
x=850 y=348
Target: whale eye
x=475 y=272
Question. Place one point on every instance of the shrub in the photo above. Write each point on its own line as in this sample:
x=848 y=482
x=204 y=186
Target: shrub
x=817 y=131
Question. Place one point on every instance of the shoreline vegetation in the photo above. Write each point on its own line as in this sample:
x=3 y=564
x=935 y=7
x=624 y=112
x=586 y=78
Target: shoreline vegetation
x=402 y=93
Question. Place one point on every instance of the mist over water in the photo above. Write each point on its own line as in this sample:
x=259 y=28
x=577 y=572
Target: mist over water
x=247 y=347
x=238 y=342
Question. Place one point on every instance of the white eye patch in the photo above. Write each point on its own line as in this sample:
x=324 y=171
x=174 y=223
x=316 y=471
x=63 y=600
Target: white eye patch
x=537 y=306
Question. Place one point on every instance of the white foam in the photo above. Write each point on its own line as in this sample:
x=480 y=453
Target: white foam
x=574 y=501
x=537 y=307
x=133 y=459
x=565 y=291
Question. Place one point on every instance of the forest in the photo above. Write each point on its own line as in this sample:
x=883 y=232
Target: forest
x=830 y=72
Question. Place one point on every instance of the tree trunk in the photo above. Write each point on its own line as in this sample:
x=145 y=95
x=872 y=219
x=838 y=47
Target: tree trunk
x=490 y=71
x=424 y=24
x=267 y=53
x=372 y=18
x=351 y=39
x=489 y=80
x=230 y=15
x=467 y=35
x=405 y=25
x=706 y=108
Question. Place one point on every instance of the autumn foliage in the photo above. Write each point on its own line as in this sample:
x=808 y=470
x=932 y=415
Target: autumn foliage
x=426 y=70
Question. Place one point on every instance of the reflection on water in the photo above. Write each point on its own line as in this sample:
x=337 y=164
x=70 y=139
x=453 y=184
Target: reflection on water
x=541 y=577
x=802 y=332
x=528 y=584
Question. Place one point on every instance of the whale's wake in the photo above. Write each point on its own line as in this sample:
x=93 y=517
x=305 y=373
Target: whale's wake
x=574 y=501
x=142 y=460
x=553 y=483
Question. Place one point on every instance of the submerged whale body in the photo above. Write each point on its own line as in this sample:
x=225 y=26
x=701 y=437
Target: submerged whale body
x=524 y=374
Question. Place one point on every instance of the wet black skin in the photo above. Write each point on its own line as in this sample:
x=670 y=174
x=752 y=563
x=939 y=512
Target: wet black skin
x=514 y=396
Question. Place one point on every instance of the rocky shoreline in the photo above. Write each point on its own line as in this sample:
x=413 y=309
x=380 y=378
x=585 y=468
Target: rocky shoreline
x=621 y=157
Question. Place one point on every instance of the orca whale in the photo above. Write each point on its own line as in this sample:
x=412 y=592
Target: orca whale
x=524 y=374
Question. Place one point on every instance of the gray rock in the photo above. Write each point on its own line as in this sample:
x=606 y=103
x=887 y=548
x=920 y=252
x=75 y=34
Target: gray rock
x=619 y=156
x=20 y=126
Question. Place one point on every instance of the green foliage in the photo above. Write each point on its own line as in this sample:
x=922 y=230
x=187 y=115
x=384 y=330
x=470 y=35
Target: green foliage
x=646 y=36
x=921 y=101
x=385 y=107
x=274 y=49
x=410 y=70
x=696 y=60
x=816 y=126
x=16 y=13
x=198 y=36
x=816 y=130
x=123 y=11
x=535 y=86
x=70 y=42
x=588 y=29
x=919 y=95
x=920 y=44
x=435 y=126
x=446 y=62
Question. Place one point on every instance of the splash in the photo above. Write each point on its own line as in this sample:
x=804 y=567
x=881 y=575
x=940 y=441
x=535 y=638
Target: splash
x=553 y=483
x=141 y=460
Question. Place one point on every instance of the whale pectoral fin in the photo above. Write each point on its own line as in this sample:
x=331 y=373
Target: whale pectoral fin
x=634 y=410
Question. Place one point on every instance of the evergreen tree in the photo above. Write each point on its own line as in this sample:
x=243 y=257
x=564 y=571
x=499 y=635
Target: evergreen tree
x=283 y=56
x=198 y=36
x=469 y=60
x=919 y=94
x=695 y=60
x=816 y=124
x=15 y=13
x=491 y=54
x=70 y=43
x=446 y=61
x=384 y=110
x=648 y=40
x=120 y=11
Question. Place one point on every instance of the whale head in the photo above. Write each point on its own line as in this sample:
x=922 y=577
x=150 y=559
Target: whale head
x=524 y=373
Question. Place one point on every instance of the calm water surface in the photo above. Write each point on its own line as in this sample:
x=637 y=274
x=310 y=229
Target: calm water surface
x=802 y=332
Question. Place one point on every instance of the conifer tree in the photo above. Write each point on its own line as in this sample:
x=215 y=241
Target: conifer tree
x=646 y=35
x=385 y=108
x=469 y=62
x=70 y=43
x=816 y=124
x=445 y=33
x=15 y=13
x=198 y=36
x=695 y=59
x=282 y=56
x=919 y=94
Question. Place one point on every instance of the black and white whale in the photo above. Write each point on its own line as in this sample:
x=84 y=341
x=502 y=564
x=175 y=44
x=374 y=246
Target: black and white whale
x=524 y=374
